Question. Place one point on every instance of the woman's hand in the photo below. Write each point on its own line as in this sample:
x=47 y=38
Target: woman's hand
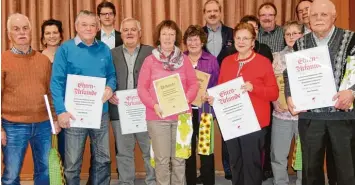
x=157 y=110
x=278 y=108
x=247 y=86
x=209 y=99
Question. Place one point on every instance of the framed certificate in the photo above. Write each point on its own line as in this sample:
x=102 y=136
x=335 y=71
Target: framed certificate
x=171 y=95
x=83 y=99
x=280 y=83
x=203 y=80
x=233 y=109
x=131 y=111
x=311 y=78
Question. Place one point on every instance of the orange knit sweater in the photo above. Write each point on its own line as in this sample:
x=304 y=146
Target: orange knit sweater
x=24 y=81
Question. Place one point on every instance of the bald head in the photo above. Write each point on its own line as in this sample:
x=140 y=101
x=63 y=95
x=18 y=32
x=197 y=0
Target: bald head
x=323 y=15
x=16 y=17
x=19 y=29
x=326 y=5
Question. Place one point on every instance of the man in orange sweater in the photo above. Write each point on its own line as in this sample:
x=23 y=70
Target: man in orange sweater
x=25 y=77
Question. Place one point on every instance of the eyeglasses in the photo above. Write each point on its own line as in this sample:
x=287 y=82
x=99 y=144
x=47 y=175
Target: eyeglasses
x=242 y=39
x=267 y=15
x=292 y=34
x=110 y=14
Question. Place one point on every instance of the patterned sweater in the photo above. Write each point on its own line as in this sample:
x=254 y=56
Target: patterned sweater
x=341 y=45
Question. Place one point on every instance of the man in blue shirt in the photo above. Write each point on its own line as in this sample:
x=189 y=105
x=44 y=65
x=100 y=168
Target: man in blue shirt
x=85 y=56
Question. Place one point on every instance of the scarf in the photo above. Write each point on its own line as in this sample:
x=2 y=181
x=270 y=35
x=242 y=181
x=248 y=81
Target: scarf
x=173 y=61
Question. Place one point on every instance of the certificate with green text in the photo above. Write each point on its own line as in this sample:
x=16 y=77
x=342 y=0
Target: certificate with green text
x=171 y=95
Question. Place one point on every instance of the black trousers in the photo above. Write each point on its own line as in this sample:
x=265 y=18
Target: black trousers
x=314 y=135
x=207 y=161
x=245 y=158
x=225 y=159
x=331 y=171
x=267 y=170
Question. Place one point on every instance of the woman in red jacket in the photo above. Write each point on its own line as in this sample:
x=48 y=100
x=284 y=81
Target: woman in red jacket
x=260 y=83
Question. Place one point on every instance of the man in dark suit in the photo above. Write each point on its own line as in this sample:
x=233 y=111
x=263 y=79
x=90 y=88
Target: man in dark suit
x=107 y=34
x=220 y=37
x=260 y=48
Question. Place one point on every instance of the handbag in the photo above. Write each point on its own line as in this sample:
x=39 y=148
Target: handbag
x=183 y=136
x=56 y=170
x=151 y=152
x=206 y=133
x=297 y=155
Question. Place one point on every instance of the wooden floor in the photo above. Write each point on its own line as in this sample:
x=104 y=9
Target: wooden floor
x=219 y=181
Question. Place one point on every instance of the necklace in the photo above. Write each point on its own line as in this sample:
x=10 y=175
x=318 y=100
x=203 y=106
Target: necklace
x=245 y=60
x=193 y=62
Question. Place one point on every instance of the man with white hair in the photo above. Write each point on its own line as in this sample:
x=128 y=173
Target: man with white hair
x=25 y=76
x=86 y=56
x=333 y=124
x=128 y=59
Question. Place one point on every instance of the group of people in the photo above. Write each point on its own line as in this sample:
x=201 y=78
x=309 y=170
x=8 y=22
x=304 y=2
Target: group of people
x=255 y=50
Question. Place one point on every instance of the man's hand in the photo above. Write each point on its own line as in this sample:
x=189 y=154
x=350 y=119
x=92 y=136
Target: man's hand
x=3 y=137
x=64 y=119
x=114 y=100
x=107 y=94
x=278 y=107
x=291 y=106
x=57 y=127
x=344 y=99
x=157 y=110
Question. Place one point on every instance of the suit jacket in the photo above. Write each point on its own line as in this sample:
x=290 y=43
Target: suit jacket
x=118 y=39
x=227 y=40
x=122 y=71
x=260 y=48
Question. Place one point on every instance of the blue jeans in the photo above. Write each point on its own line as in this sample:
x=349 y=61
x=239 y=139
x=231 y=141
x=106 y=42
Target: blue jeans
x=18 y=135
x=75 y=139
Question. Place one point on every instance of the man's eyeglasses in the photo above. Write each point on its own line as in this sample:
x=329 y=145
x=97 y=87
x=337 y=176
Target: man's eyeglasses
x=110 y=14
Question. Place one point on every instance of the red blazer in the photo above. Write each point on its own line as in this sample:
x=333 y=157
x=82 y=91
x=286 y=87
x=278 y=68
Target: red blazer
x=260 y=73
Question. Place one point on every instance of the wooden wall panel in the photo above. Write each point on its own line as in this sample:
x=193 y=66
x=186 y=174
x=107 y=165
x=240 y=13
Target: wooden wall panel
x=342 y=7
x=352 y=14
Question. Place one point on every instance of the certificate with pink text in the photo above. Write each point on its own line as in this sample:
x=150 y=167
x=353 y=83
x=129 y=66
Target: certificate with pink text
x=131 y=111
x=234 y=110
x=83 y=99
x=311 y=78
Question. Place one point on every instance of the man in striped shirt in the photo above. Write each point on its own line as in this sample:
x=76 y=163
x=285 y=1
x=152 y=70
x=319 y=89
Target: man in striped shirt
x=270 y=33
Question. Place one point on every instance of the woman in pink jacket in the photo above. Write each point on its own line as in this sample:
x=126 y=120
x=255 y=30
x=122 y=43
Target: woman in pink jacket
x=166 y=60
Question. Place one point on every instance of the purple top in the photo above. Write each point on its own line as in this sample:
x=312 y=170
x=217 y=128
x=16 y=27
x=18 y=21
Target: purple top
x=208 y=63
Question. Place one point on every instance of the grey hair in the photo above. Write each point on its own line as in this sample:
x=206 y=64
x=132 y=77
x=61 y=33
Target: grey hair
x=86 y=13
x=9 y=20
x=131 y=19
